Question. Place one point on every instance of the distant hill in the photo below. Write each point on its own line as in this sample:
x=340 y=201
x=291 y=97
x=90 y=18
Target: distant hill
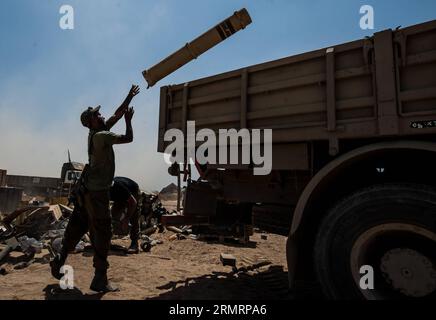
x=169 y=189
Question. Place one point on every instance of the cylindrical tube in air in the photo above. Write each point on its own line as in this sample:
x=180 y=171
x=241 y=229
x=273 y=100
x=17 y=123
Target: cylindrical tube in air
x=239 y=20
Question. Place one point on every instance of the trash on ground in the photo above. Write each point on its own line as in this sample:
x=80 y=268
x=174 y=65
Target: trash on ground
x=150 y=231
x=30 y=246
x=23 y=264
x=227 y=260
x=147 y=243
x=174 y=229
x=80 y=247
x=56 y=245
x=11 y=244
x=181 y=236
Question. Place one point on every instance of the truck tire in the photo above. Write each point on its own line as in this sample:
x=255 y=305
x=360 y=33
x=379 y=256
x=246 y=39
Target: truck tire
x=379 y=243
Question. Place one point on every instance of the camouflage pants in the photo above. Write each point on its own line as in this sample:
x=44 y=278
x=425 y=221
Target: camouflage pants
x=93 y=217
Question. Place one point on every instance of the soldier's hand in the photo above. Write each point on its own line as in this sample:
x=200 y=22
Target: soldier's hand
x=134 y=90
x=129 y=114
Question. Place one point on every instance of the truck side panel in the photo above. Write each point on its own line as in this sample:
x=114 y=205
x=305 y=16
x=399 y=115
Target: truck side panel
x=285 y=95
x=365 y=88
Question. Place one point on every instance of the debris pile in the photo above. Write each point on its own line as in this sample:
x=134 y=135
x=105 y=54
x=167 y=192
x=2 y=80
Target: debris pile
x=32 y=229
x=39 y=228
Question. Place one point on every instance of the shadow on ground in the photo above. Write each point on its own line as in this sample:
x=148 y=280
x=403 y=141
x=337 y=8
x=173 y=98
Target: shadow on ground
x=55 y=292
x=254 y=284
x=115 y=250
x=271 y=284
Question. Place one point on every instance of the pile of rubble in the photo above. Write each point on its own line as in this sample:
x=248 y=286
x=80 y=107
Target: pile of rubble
x=32 y=229
x=40 y=226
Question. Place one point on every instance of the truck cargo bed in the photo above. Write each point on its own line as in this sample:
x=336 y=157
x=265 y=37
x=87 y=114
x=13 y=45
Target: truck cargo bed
x=380 y=86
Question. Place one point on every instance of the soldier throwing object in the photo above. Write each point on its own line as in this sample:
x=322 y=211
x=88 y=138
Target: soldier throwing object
x=97 y=179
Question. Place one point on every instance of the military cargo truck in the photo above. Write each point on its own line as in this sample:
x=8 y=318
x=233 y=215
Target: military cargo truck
x=354 y=128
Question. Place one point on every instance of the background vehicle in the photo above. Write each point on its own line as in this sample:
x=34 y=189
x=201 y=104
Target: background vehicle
x=70 y=174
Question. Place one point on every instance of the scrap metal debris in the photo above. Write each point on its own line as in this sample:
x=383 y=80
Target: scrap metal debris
x=174 y=229
x=30 y=246
x=147 y=243
x=11 y=244
x=33 y=228
x=40 y=226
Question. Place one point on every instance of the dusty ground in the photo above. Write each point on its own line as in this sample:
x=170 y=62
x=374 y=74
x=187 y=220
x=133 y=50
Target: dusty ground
x=179 y=269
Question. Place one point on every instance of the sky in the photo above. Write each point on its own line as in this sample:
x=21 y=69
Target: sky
x=48 y=76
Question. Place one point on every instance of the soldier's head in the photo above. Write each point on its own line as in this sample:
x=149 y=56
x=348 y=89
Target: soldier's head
x=92 y=119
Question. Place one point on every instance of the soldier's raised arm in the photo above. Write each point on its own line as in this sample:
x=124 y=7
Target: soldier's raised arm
x=128 y=136
x=134 y=90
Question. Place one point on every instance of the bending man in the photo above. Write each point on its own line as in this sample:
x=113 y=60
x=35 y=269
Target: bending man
x=124 y=192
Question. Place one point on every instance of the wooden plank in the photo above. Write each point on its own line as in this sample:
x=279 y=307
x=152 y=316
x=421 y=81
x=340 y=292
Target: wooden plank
x=65 y=208
x=56 y=211
x=228 y=259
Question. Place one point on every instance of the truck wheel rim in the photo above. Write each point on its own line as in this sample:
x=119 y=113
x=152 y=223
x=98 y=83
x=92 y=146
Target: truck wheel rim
x=405 y=270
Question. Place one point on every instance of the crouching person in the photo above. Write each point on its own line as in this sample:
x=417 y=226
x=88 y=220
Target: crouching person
x=125 y=194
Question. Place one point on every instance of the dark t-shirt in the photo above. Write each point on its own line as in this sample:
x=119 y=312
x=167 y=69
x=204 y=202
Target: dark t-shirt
x=122 y=188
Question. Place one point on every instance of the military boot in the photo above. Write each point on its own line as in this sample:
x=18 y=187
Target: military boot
x=56 y=264
x=134 y=247
x=100 y=283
